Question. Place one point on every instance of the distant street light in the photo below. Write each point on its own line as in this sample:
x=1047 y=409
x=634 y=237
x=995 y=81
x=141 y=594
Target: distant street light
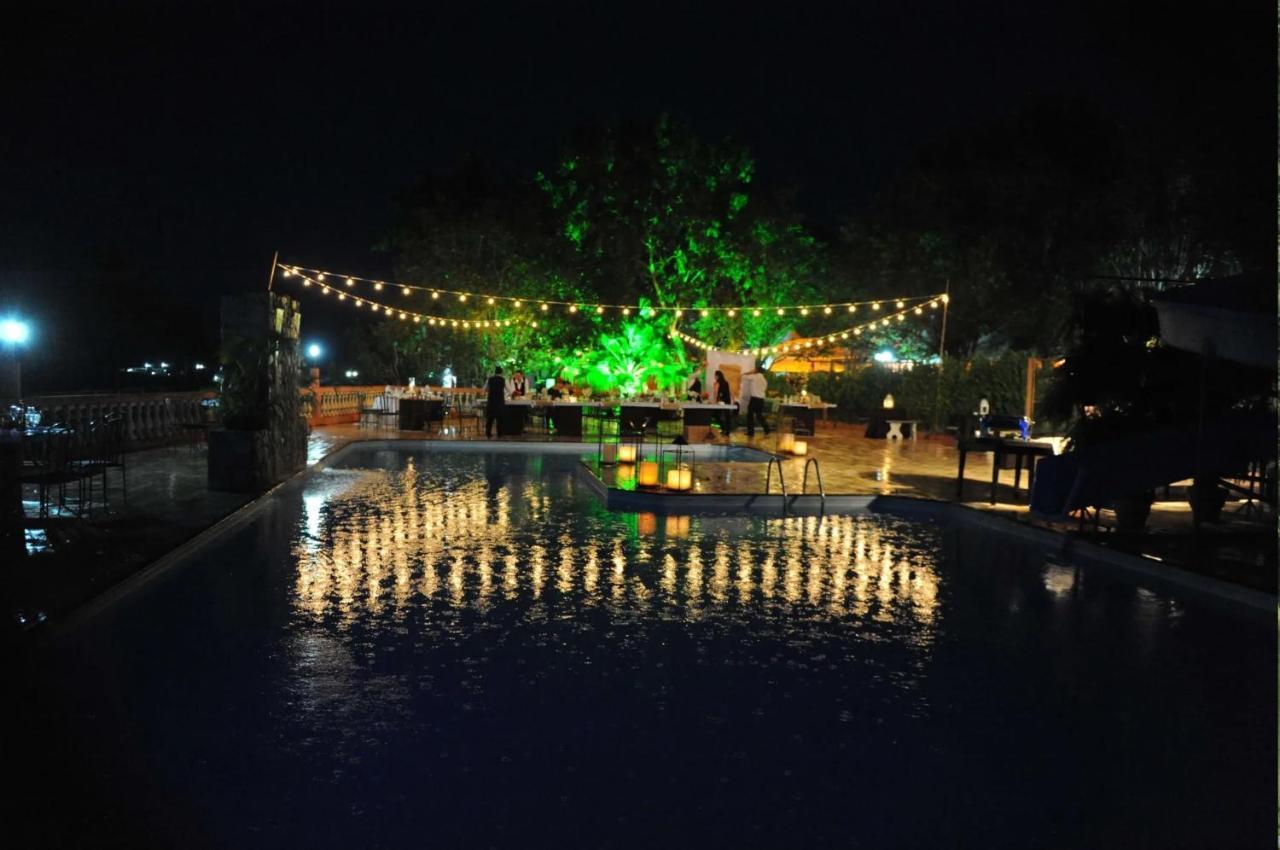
x=14 y=334
x=314 y=351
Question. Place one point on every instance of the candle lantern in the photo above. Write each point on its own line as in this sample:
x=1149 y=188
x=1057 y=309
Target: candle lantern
x=786 y=442
x=608 y=436
x=630 y=443
x=648 y=473
x=800 y=448
x=677 y=468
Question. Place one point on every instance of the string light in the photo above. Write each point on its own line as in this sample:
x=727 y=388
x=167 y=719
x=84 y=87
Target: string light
x=403 y=315
x=517 y=301
x=405 y=291
x=817 y=342
x=913 y=304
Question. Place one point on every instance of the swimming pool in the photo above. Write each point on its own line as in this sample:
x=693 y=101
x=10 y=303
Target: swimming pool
x=461 y=648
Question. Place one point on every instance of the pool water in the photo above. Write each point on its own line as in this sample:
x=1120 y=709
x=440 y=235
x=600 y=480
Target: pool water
x=460 y=649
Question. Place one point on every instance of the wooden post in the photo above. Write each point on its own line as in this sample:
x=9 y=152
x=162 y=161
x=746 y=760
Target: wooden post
x=942 y=342
x=271 y=278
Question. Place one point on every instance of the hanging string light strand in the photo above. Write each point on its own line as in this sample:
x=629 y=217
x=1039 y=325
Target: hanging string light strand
x=536 y=305
x=340 y=293
x=930 y=304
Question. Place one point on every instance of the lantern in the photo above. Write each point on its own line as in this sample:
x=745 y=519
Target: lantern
x=786 y=442
x=626 y=453
x=648 y=476
x=608 y=435
x=680 y=478
x=800 y=448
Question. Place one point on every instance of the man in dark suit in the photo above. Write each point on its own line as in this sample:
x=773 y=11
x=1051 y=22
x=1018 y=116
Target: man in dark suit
x=496 y=387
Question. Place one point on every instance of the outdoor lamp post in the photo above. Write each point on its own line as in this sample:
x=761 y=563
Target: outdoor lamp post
x=14 y=335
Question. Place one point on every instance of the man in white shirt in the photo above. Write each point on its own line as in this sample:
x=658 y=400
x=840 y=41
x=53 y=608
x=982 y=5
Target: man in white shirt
x=752 y=389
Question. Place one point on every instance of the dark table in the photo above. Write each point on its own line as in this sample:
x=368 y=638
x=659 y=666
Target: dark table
x=416 y=414
x=1002 y=448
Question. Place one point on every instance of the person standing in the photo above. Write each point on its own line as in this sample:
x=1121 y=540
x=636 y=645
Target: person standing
x=694 y=391
x=496 y=401
x=517 y=384
x=754 y=388
x=723 y=396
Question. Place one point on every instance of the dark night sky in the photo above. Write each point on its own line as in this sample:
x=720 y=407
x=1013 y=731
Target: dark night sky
x=190 y=140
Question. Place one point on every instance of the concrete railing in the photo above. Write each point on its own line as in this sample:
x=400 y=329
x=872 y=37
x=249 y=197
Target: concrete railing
x=151 y=418
x=147 y=417
x=342 y=404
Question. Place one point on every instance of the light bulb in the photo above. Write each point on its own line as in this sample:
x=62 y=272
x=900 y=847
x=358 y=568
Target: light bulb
x=404 y=290
x=350 y=282
x=435 y=296
x=378 y=286
x=490 y=302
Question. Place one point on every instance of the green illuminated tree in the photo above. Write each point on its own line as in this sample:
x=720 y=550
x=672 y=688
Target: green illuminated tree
x=653 y=212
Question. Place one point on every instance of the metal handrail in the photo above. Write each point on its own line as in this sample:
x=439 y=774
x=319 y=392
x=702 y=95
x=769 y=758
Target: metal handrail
x=768 y=479
x=804 y=483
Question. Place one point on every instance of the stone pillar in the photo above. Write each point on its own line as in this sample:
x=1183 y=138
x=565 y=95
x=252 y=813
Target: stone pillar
x=264 y=438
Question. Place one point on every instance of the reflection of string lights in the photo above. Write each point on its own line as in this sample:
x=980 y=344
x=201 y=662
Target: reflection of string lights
x=379 y=546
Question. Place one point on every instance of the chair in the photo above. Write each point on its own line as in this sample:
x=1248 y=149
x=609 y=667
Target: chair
x=369 y=411
x=389 y=411
x=465 y=416
x=48 y=468
x=101 y=451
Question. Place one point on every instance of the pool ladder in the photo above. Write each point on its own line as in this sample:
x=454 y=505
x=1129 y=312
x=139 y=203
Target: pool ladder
x=774 y=460
x=804 y=483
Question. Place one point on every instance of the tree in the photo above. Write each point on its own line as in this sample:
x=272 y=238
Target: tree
x=653 y=212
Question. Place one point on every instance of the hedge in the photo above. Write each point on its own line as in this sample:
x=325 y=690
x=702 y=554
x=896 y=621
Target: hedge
x=935 y=396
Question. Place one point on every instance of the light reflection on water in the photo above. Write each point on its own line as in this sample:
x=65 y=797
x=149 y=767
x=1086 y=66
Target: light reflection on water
x=462 y=649
x=373 y=544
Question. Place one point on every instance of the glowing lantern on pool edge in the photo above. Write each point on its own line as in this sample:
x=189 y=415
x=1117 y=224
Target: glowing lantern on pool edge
x=800 y=448
x=648 y=473
x=680 y=478
x=786 y=442
x=626 y=453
